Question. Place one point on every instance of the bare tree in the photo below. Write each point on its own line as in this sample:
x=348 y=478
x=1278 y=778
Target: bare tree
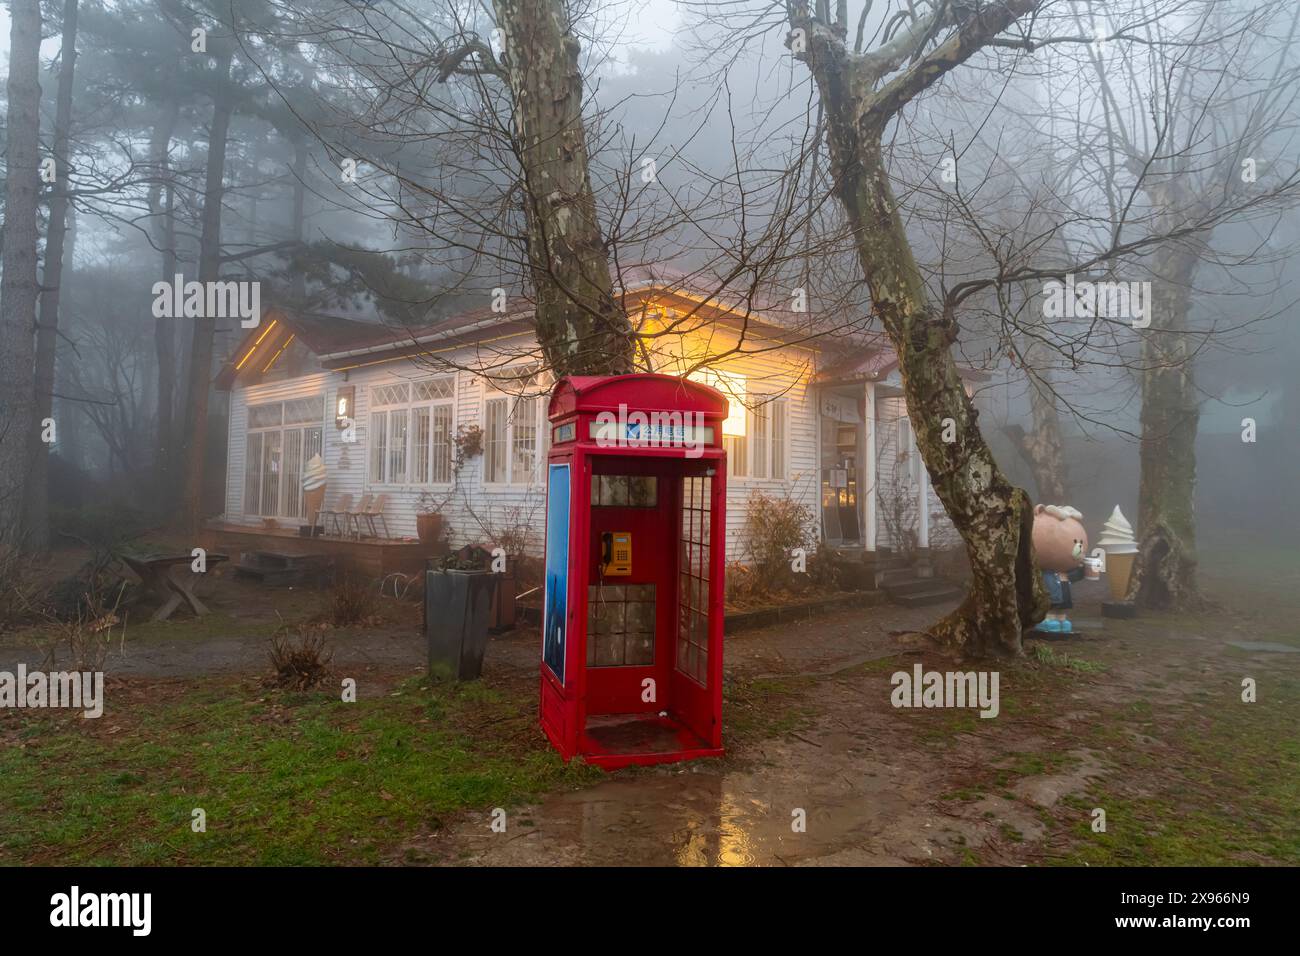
x=1189 y=119
x=18 y=288
x=37 y=508
x=580 y=325
x=862 y=94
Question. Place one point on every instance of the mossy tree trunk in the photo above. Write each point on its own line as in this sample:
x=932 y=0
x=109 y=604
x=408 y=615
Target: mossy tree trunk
x=1165 y=574
x=993 y=517
x=581 y=327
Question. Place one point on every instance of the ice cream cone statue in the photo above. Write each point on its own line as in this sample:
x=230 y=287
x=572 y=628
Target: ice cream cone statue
x=1121 y=553
x=313 y=489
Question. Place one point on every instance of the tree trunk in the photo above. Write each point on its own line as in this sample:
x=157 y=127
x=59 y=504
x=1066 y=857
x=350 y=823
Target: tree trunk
x=47 y=330
x=581 y=328
x=18 y=288
x=162 y=197
x=1165 y=574
x=993 y=517
x=299 y=284
x=1042 y=447
x=195 y=445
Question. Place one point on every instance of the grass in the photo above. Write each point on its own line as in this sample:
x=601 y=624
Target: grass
x=1225 y=792
x=754 y=709
x=1046 y=655
x=290 y=778
x=283 y=779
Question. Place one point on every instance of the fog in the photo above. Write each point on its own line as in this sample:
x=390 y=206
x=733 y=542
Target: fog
x=728 y=120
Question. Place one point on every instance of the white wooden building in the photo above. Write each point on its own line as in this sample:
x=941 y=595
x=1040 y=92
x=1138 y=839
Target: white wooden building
x=818 y=419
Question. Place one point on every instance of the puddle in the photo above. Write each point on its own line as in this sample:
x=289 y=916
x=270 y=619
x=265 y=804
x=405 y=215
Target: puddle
x=852 y=808
x=1269 y=646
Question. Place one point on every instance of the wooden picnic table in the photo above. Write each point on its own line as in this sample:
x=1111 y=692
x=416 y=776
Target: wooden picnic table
x=171 y=578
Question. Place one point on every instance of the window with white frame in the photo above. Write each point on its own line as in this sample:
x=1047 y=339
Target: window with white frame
x=411 y=434
x=767 y=429
x=768 y=426
x=514 y=426
x=281 y=438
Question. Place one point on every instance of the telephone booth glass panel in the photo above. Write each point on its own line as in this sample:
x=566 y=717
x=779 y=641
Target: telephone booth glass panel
x=693 y=623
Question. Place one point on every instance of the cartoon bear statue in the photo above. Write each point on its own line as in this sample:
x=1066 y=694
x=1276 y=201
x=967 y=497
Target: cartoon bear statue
x=1060 y=543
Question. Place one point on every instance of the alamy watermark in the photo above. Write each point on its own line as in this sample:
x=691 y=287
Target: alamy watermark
x=211 y=300
x=951 y=689
x=83 y=690
x=75 y=908
x=1085 y=299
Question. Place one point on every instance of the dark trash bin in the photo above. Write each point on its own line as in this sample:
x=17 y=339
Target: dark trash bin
x=457 y=611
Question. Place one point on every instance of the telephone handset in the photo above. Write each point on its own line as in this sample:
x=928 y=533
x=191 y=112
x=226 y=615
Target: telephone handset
x=615 y=553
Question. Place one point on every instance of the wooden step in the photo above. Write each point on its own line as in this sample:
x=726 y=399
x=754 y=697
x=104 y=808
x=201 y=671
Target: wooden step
x=279 y=568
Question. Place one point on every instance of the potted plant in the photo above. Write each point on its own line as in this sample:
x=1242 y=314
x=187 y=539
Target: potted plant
x=430 y=526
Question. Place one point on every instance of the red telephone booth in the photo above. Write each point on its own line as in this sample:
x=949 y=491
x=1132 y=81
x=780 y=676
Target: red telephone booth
x=631 y=669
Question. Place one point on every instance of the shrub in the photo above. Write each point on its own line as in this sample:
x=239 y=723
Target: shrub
x=352 y=602
x=774 y=527
x=824 y=574
x=87 y=634
x=23 y=599
x=300 y=659
x=102 y=528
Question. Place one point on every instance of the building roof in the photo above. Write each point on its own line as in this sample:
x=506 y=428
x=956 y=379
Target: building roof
x=340 y=342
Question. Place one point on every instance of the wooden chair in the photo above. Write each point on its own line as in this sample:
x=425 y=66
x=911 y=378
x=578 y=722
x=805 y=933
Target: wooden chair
x=354 y=518
x=376 y=510
x=337 y=515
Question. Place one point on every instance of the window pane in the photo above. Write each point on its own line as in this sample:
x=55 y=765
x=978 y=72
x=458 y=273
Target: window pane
x=523 y=446
x=517 y=378
x=420 y=446
x=434 y=388
x=760 y=434
x=780 y=411
x=303 y=411
x=253 y=474
x=264 y=416
x=494 y=451
x=270 y=473
x=311 y=443
x=292 y=485
x=397 y=420
x=442 y=443
x=390 y=394
x=737 y=463
x=378 y=444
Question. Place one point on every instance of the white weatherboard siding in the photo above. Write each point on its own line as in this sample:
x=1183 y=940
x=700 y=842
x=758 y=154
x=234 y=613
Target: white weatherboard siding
x=477 y=511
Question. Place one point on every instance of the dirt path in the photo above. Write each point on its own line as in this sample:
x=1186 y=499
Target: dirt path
x=1098 y=718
